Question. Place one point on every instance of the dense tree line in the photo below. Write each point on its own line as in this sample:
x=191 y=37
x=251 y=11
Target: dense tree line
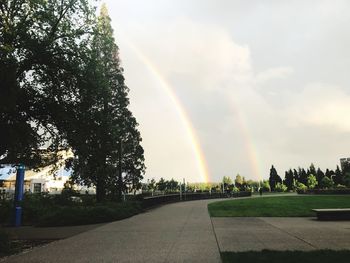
x=62 y=87
x=310 y=178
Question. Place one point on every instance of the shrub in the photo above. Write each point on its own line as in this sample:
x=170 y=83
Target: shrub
x=235 y=190
x=82 y=215
x=326 y=182
x=340 y=186
x=266 y=186
x=301 y=187
x=5 y=211
x=311 y=181
x=281 y=188
x=5 y=245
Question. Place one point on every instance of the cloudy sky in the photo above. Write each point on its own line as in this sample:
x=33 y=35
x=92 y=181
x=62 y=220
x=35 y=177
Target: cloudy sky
x=246 y=83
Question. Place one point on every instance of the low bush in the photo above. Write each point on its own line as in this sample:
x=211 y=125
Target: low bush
x=281 y=188
x=82 y=215
x=5 y=211
x=333 y=191
x=5 y=245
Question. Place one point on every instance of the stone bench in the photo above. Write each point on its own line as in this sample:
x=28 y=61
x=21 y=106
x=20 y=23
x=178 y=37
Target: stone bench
x=333 y=214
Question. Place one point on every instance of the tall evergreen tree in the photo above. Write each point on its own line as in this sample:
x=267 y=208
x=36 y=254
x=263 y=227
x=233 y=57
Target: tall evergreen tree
x=295 y=175
x=338 y=178
x=303 y=176
x=274 y=178
x=289 y=179
x=105 y=139
x=311 y=170
x=319 y=175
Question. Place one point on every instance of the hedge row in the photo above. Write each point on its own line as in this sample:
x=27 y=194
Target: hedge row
x=339 y=191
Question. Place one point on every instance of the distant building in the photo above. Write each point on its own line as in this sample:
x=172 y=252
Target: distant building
x=343 y=162
x=50 y=179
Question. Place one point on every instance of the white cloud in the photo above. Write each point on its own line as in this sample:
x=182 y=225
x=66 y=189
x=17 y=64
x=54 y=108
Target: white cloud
x=273 y=73
x=322 y=105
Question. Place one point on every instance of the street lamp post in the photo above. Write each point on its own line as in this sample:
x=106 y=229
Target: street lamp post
x=19 y=195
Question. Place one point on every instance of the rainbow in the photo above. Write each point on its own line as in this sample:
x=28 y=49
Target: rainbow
x=201 y=162
x=249 y=145
x=194 y=140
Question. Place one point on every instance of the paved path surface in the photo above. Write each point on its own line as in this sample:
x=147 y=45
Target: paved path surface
x=180 y=232
x=280 y=233
x=47 y=233
x=184 y=232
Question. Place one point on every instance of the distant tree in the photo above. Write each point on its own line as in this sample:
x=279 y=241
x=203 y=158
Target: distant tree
x=253 y=185
x=319 y=175
x=172 y=185
x=311 y=170
x=151 y=186
x=302 y=176
x=289 y=179
x=327 y=182
x=311 y=181
x=161 y=184
x=338 y=178
x=295 y=175
x=239 y=181
x=265 y=185
x=347 y=179
x=274 y=178
x=227 y=181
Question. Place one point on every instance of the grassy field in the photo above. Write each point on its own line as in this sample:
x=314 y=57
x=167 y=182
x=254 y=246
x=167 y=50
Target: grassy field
x=281 y=206
x=267 y=256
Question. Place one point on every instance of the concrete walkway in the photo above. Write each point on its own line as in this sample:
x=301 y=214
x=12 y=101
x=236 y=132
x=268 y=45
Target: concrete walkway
x=280 y=233
x=180 y=232
x=184 y=232
x=47 y=233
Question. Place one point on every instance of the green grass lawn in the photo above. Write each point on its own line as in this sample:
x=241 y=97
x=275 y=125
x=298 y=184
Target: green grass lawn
x=267 y=256
x=280 y=206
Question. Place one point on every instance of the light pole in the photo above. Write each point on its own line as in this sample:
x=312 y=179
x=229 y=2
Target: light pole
x=19 y=195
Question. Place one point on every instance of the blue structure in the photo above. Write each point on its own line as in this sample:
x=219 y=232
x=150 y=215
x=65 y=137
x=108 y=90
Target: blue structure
x=19 y=195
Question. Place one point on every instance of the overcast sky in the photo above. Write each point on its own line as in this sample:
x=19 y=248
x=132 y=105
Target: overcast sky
x=262 y=82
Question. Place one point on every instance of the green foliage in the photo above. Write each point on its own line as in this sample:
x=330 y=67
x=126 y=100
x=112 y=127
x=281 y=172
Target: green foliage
x=281 y=188
x=338 y=177
x=265 y=185
x=56 y=210
x=235 y=190
x=226 y=180
x=279 y=206
x=301 y=187
x=238 y=180
x=5 y=211
x=5 y=245
x=347 y=179
x=64 y=88
x=39 y=46
x=81 y=215
x=103 y=131
x=327 y=182
x=274 y=178
x=161 y=185
x=311 y=181
x=289 y=179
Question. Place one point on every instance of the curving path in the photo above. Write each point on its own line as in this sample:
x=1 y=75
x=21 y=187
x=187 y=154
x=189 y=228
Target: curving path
x=180 y=232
